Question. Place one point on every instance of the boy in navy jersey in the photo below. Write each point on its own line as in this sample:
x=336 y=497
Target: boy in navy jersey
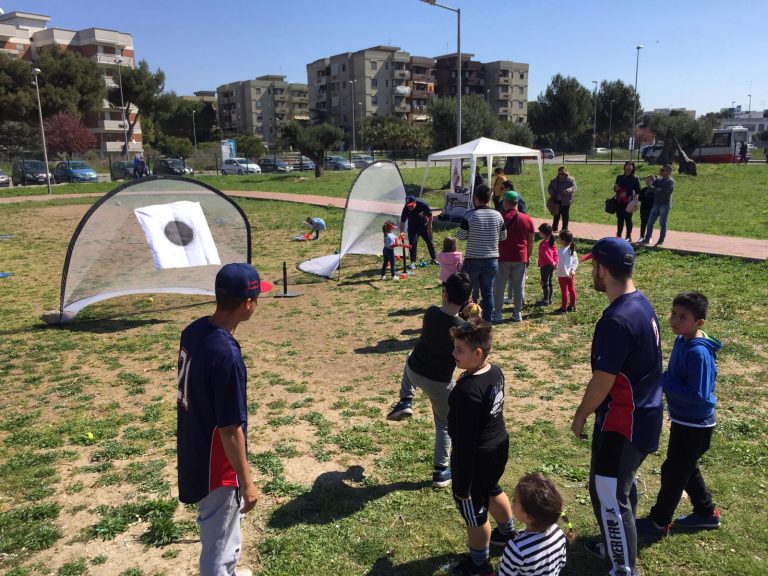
x=212 y=420
x=480 y=446
x=625 y=395
x=689 y=385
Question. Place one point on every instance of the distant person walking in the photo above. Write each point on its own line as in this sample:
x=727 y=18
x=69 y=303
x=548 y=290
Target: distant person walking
x=562 y=189
x=662 y=202
x=743 y=153
x=627 y=187
x=498 y=189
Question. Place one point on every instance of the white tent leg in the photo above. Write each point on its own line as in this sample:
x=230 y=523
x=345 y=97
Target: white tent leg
x=541 y=181
x=424 y=180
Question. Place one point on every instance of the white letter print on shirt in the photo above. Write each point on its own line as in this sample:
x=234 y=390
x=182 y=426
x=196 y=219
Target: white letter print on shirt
x=181 y=393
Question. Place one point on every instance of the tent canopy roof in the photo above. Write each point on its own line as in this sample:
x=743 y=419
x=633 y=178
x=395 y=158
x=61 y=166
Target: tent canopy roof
x=483 y=147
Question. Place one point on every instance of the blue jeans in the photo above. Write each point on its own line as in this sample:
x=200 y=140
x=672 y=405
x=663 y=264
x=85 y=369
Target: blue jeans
x=482 y=273
x=661 y=213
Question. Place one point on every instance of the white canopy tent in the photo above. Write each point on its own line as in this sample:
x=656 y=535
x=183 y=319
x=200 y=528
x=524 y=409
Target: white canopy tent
x=486 y=148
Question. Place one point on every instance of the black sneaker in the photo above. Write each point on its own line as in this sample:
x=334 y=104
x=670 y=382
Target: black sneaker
x=571 y=309
x=696 y=522
x=647 y=527
x=499 y=539
x=465 y=567
x=402 y=409
x=560 y=311
x=596 y=548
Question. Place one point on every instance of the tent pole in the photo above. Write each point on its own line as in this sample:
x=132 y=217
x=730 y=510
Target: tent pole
x=541 y=181
x=424 y=180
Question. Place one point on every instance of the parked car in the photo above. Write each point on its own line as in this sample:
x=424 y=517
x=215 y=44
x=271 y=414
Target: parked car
x=272 y=165
x=651 y=153
x=29 y=172
x=337 y=163
x=239 y=166
x=304 y=163
x=5 y=182
x=361 y=160
x=74 y=171
x=172 y=166
x=601 y=150
x=121 y=170
x=547 y=153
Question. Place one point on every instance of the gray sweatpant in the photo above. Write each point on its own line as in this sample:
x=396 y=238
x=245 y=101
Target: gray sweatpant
x=512 y=273
x=438 y=393
x=219 y=523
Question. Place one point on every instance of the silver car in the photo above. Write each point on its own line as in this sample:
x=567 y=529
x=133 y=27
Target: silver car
x=239 y=166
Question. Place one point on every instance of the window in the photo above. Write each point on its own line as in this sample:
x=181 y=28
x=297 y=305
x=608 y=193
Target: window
x=519 y=119
x=374 y=83
x=520 y=104
x=343 y=67
x=374 y=100
x=386 y=83
x=374 y=65
x=522 y=75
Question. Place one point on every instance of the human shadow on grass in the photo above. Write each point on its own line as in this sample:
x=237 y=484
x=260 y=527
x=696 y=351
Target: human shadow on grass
x=388 y=345
x=417 y=311
x=582 y=562
x=334 y=495
x=422 y=567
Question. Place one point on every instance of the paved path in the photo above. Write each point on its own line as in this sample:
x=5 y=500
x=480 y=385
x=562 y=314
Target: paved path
x=679 y=241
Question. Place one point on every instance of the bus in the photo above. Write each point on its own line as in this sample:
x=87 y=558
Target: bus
x=724 y=145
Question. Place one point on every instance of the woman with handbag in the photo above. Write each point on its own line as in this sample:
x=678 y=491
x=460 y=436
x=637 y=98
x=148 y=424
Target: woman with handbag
x=561 y=190
x=627 y=190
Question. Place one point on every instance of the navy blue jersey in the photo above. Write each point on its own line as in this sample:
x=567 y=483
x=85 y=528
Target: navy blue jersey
x=210 y=396
x=627 y=343
x=418 y=218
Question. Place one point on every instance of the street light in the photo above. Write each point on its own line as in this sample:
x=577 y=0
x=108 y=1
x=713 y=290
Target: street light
x=362 y=125
x=594 y=119
x=634 y=112
x=194 y=129
x=35 y=72
x=352 y=101
x=119 y=61
x=458 y=65
x=610 y=130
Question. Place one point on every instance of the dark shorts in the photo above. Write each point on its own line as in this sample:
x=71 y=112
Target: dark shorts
x=488 y=468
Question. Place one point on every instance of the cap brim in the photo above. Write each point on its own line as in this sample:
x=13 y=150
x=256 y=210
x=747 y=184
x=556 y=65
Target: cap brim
x=587 y=256
x=410 y=204
x=264 y=287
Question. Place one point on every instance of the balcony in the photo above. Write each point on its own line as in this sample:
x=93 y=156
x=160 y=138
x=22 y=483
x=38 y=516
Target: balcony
x=424 y=94
x=111 y=125
x=503 y=111
x=504 y=80
x=110 y=59
x=423 y=77
x=7 y=31
x=321 y=80
x=403 y=107
x=401 y=74
x=118 y=147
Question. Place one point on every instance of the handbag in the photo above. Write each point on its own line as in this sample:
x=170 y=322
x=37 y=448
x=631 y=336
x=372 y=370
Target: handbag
x=633 y=204
x=553 y=206
x=610 y=205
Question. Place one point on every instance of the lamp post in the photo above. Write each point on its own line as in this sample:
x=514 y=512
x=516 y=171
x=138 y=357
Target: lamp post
x=362 y=125
x=35 y=72
x=352 y=102
x=594 y=118
x=634 y=112
x=458 y=65
x=119 y=61
x=194 y=129
x=610 y=130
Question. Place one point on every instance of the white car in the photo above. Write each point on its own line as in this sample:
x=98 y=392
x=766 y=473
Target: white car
x=239 y=166
x=601 y=150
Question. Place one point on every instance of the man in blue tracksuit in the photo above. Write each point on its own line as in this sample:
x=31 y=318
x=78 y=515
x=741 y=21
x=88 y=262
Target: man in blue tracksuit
x=689 y=385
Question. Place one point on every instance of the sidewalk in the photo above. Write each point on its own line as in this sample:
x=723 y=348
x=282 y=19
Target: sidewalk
x=688 y=242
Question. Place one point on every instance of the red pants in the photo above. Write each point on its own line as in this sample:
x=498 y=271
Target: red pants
x=567 y=288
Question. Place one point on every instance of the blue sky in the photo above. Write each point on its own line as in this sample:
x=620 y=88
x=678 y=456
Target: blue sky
x=701 y=55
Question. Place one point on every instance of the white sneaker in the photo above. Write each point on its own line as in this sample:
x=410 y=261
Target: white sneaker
x=243 y=572
x=508 y=301
x=383 y=277
x=395 y=278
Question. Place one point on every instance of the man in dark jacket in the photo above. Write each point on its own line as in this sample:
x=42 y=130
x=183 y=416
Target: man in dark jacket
x=419 y=218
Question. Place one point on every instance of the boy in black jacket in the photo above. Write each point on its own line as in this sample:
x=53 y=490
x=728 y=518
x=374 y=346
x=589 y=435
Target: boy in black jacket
x=480 y=446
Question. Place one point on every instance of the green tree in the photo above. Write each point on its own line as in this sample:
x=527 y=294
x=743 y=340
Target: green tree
x=682 y=128
x=563 y=113
x=69 y=82
x=66 y=134
x=172 y=116
x=514 y=133
x=176 y=147
x=18 y=137
x=249 y=146
x=477 y=120
x=142 y=89
x=615 y=107
x=387 y=133
x=17 y=95
x=312 y=141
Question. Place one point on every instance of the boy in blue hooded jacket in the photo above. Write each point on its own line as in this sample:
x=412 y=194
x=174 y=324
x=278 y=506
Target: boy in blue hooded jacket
x=689 y=385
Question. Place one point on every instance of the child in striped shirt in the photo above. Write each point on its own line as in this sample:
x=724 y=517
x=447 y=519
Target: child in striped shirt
x=540 y=549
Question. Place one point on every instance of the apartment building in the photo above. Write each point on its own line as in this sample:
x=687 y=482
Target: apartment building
x=260 y=106
x=346 y=88
x=22 y=34
x=503 y=84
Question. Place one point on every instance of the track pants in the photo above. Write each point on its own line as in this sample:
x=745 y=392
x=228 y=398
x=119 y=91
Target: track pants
x=613 y=492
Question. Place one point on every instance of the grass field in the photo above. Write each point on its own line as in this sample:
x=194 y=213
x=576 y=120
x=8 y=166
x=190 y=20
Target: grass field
x=725 y=199
x=87 y=417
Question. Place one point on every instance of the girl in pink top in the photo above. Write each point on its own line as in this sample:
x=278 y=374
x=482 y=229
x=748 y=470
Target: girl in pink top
x=547 y=262
x=450 y=259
